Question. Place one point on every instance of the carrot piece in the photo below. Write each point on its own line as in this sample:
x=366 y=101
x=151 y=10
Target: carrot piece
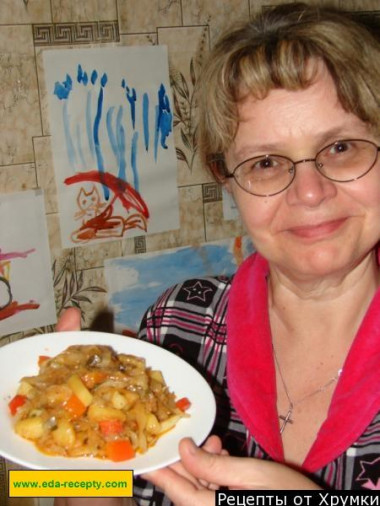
x=120 y=449
x=183 y=404
x=42 y=359
x=111 y=427
x=75 y=406
x=92 y=378
x=16 y=402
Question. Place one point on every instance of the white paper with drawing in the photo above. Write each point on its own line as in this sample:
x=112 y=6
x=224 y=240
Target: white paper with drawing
x=114 y=158
x=26 y=284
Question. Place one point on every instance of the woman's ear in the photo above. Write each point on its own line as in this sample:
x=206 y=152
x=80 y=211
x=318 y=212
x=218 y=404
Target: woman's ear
x=217 y=167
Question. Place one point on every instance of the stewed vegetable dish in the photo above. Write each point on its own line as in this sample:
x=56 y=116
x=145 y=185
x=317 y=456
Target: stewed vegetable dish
x=91 y=401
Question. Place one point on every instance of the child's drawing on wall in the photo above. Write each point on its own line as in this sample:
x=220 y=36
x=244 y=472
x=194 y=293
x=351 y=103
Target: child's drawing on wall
x=136 y=281
x=26 y=284
x=9 y=306
x=111 y=123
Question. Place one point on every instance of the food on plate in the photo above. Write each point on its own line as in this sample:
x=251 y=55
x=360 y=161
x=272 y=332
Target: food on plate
x=91 y=401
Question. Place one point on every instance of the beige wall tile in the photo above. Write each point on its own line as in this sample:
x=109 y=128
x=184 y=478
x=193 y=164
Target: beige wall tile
x=191 y=229
x=139 y=39
x=65 y=11
x=187 y=48
x=218 y=228
x=44 y=107
x=20 y=118
x=128 y=246
x=54 y=235
x=166 y=240
x=191 y=215
x=45 y=172
x=17 y=12
x=16 y=178
x=98 y=305
x=94 y=256
x=146 y=15
x=218 y=15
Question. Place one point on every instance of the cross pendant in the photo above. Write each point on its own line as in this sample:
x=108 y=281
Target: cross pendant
x=286 y=419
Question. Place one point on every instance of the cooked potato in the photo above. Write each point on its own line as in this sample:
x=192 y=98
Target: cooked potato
x=64 y=434
x=79 y=389
x=100 y=413
x=30 y=428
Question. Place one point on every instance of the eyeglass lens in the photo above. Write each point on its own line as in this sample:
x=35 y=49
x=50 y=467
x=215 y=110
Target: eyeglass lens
x=342 y=161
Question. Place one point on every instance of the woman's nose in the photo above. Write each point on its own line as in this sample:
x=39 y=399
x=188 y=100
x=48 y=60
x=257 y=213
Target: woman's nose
x=309 y=187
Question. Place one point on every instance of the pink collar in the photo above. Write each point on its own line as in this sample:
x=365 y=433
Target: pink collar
x=251 y=373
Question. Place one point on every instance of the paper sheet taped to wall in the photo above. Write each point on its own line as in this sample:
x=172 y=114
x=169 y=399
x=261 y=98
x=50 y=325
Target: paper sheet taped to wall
x=111 y=120
x=26 y=285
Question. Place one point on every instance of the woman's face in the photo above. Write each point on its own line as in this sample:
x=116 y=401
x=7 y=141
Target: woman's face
x=316 y=227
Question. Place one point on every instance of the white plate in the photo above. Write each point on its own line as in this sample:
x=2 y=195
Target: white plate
x=20 y=359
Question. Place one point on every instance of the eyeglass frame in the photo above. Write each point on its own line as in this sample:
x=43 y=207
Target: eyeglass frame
x=219 y=158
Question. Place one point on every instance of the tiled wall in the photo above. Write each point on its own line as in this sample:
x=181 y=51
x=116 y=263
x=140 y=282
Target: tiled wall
x=27 y=28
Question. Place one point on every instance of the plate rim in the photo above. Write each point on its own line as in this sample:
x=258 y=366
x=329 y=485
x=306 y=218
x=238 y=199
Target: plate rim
x=111 y=340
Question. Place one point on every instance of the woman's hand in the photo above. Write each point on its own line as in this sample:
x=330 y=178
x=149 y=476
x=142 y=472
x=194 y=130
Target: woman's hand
x=182 y=487
x=186 y=482
x=69 y=320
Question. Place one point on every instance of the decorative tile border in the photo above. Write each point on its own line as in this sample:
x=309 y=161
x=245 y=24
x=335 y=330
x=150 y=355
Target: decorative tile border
x=211 y=192
x=140 y=244
x=75 y=33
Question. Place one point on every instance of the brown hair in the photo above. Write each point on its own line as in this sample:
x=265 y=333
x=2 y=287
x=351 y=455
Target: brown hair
x=276 y=50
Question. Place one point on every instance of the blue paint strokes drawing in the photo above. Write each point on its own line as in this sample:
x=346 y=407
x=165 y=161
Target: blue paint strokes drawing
x=146 y=120
x=117 y=140
x=69 y=141
x=111 y=135
x=89 y=124
x=120 y=132
x=98 y=151
x=117 y=135
x=164 y=119
x=79 y=143
x=82 y=77
x=131 y=97
x=135 y=139
x=94 y=77
x=102 y=134
x=62 y=90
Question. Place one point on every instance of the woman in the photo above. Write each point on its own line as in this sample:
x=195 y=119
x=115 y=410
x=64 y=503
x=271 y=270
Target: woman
x=290 y=124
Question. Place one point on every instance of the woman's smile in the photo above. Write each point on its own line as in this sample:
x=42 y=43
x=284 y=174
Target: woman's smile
x=317 y=231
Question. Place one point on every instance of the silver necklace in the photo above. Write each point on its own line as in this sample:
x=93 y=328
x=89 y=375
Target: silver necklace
x=288 y=417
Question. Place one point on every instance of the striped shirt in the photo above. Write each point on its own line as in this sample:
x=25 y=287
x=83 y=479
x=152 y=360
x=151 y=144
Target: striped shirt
x=189 y=319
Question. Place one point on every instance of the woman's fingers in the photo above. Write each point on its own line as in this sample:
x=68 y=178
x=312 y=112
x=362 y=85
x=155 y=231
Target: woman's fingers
x=213 y=444
x=69 y=320
x=241 y=472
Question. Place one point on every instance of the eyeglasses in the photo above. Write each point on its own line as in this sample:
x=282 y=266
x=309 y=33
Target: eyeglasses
x=267 y=175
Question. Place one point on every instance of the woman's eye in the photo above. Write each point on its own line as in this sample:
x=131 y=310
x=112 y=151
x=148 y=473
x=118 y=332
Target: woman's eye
x=265 y=163
x=339 y=147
